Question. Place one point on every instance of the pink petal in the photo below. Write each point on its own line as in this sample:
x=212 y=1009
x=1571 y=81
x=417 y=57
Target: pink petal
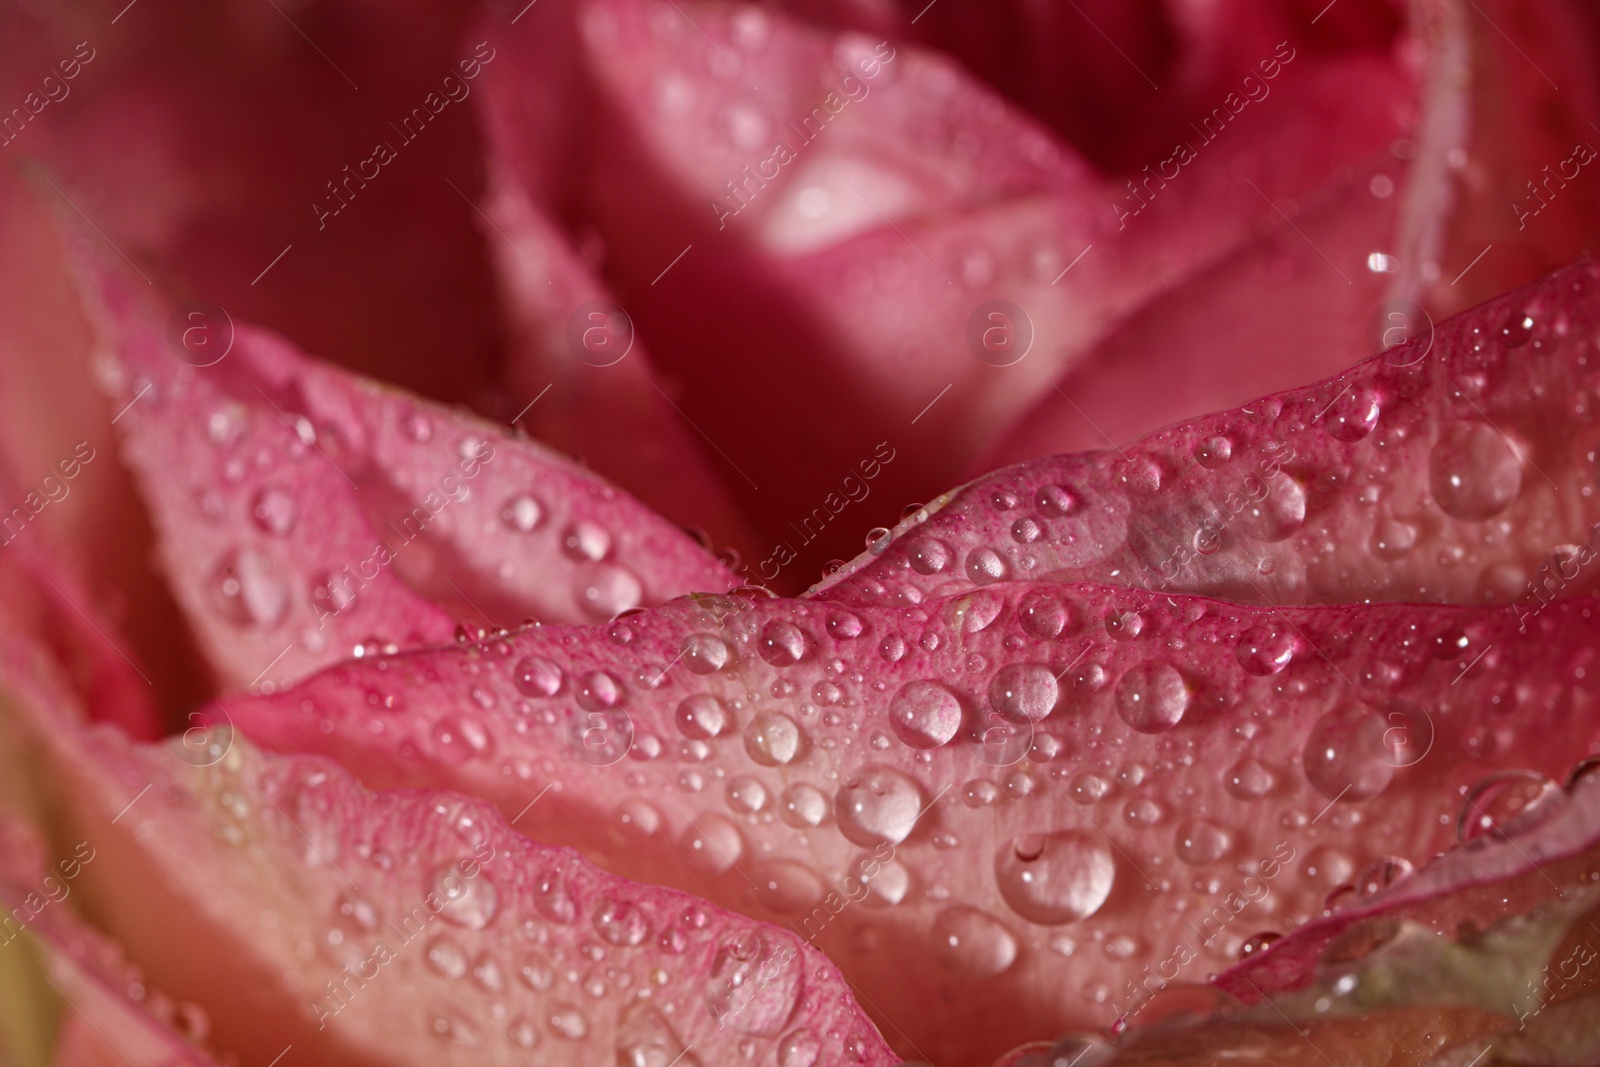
x=305 y=512
x=410 y=927
x=778 y=755
x=1457 y=467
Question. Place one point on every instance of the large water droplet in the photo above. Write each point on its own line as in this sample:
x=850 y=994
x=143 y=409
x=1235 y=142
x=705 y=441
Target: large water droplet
x=1474 y=471
x=274 y=511
x=972 y=943
x=1152 y=697
x=782 y=644
x=1353 y=415
x=1055 y=878
x=586 y=540
x=1345 y=754
x=1278 y=513
x=536 y=677
x=1506 y=803
x=459 y=737
x=712 y=845
x=1024 y=692
x=1200 y=842
x=755 y=983
x=522 y=513
x=984 y=565
x=620 y=923
x=803 y=805
x=247 y=590
x=876 y=806
x=799 y=1048
x=773 y=739
x=469 y=902
x=1042 y=614
x=787 y=887
x=925 y=714
x=927 y=555
x=702 y=716
x=1266 y=650
x=1248 y=779
x=705 y=653
x=646 y=1039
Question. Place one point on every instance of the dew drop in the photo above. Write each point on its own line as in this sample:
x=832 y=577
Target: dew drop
x=469 y=902
x=876 y=805
x=702 y=716
x=1200 y=842
x=773 y=739
x=803 y=805
x=1055 y=878
x=1344 y=754
x=274 y=511
x=1042 y=614
x=972 y=943
x=1505 y=803
x=1024 y=692
x=1474 y=472
x=459 y=737
x=984 y=565
x=1248 y=779
x=1152 y=697
x=1266 y=650
x=1277 y=514
x=521 y=513
x=782 y=644
x=585 y=540
x=705 y=653
x=247 y=590
x=620 y=923
x=925 y=714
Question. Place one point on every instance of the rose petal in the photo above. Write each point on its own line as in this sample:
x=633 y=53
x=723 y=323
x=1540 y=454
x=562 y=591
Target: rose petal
x=305 y=512
x=1455 y=467
x=779 y=755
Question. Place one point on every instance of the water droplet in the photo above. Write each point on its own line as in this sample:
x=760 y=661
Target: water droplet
x=620 y=923
x=713 y=845
x=972 y=943
x=247 y=590
x=844 y=625
x=1516 y=330
x=1506 y=803
x=799 y=1048
x=1054 y=500
x=702 y=716
x=1025 y=531
x=782 y=644
x=786 y=887
x=1257 y=943
x=1024 y=692
x=927 y=555
x=1248 y=779
x=773 y=739
x=925 y=714
x=446 y=958
x=551 y=899
x=876 y=805
x=646 y=1039
x=416 y=426
x=1213 y=452
x=1200 y=842
x=536 y=677
x=1266 y=650
x=597 y=691
x=567 y=1021
x=1277 y=514
x=1474 y=472
x=586 y=540
x=1354 y=415
x=522 y=513
x=274 y=511
x=609 y=590
x=459 y=737
x=1125 y=625
x=1345 y=753
x=984 y=565
x=705 y=653
x=1042 y=614
x=746 y=795
x=1152 y=697
x=1055 y=878
x=469 y=902
x=1392 y=539
x=755 y=983
x=803 y=806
